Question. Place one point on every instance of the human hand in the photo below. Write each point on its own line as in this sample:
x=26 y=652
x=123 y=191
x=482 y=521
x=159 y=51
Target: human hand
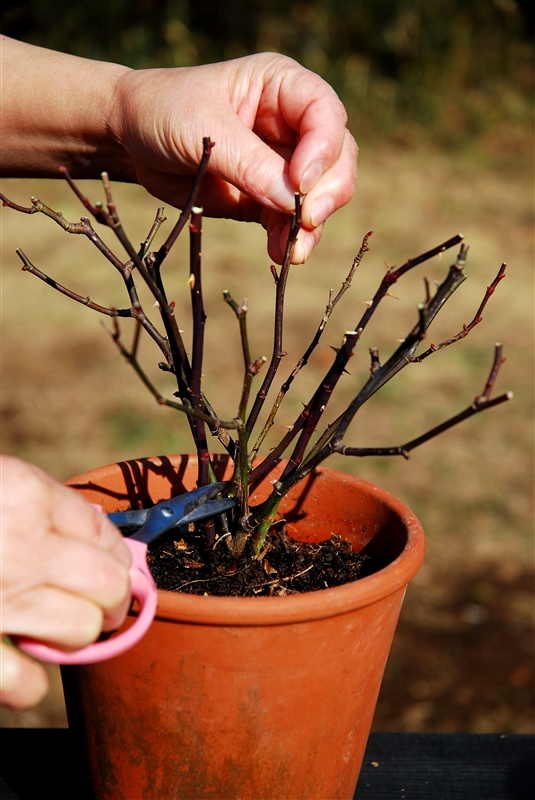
x=64 y=574
x=278 y=128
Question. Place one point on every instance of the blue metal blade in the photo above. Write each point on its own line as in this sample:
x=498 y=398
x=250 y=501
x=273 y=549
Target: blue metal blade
x=194 y=506
x=128 y=518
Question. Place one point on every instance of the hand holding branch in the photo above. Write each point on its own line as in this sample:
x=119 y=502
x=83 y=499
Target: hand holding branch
x=279 y=129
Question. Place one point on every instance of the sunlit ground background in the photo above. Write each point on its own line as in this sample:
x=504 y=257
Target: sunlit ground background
x=462 y=659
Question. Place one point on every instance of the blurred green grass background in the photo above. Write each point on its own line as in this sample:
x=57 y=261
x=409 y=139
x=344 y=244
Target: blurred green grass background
x=440 y=101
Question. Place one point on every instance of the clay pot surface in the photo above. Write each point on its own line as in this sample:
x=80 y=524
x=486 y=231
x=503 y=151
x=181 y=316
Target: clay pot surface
x=261 y=698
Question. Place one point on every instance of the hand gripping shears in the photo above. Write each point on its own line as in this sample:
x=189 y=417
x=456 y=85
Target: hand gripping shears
x=178 y=512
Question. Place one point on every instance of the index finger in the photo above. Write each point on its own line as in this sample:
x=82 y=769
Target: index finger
x=31 y=498
x=90 y=525
x=312 y=108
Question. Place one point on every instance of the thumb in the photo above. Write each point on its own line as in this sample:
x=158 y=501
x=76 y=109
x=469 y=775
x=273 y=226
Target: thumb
x=23 y=682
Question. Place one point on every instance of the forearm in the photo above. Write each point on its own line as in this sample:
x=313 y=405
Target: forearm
x=56 y=109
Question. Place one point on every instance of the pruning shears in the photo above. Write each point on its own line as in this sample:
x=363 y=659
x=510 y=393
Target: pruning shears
x=178 y=512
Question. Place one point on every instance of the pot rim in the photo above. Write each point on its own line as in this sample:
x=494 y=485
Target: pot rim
x=309 y=606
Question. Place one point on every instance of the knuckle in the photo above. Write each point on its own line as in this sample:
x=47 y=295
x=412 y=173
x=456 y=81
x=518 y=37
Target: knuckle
x=115 y=585
x=87 y=626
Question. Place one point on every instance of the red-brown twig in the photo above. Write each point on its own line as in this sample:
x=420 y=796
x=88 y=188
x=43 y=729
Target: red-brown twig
x=130 y=357
x=475 y=321
x=333 y=301
x=15 y=206
x=250 y=369
x=86 y=301
x=84 y=227
x=207 y=146
x=484 y=397
x=199 y=320
x=277 y=353
x=179 y=360
x=96 y=210
x=176 y=352
x=158 y=221
x=481 y=403
x=308 y=419
x=395 y=273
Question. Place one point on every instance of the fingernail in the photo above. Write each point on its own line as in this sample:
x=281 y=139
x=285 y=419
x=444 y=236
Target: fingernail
x=311 y=176
x=323 y=207
x=282 y=193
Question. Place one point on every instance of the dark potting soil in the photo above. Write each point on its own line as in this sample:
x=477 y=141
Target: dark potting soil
x=284 y=567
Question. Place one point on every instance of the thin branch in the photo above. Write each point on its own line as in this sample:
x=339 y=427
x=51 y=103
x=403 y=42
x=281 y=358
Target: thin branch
x=299 y=466
x=248 y=367
x=86 y=301
x=178 y=357
x=394 y=274
x=481 y=403
x=278 y=353
x=310 y=416
x=404 y=449
x=131 y=359
x=96 y=210
x=226 y=440
x=158 y=221
x=107 y=218
x=135 y=311
x=404 y=353
x=83 y=227
x=315 y=341
x=199 y=320
x=484 y=397
x=475 y=321
x=22 y=209
x=316 y=407
x=136 y=339
x=207 y=146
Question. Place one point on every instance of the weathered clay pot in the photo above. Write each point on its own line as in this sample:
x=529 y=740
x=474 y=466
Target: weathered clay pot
x=253 y=698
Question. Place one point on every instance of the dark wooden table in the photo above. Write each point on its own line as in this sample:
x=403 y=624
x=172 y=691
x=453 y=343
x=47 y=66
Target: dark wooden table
x=40 y=762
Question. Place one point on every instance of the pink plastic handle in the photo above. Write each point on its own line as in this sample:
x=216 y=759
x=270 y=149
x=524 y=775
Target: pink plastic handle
x=143 y=589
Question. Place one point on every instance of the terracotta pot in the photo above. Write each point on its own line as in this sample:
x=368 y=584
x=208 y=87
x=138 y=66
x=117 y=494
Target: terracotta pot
x=253 y=698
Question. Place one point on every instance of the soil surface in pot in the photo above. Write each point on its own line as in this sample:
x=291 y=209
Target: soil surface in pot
x=284 y=567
